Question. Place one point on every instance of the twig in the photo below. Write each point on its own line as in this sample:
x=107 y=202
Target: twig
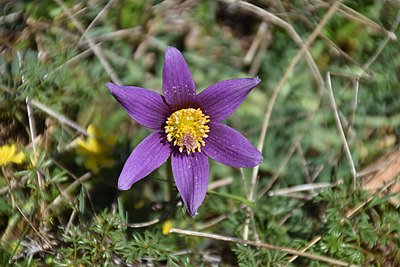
x=220 y=183
x=143 y=224
x=340 y=129
x=355 y=102
x=58 y=116
x=32 y=129
x=309 y=245
x=262 y=245
x=32 y=123
x=300 y=188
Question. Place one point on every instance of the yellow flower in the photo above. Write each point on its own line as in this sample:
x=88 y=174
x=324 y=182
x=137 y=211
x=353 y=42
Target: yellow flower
x=8 y=154
x=96 y=149
x=167 y=225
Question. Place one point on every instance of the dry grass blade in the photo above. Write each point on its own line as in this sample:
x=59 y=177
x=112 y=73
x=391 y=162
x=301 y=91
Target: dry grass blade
x=32 y=125
x=32 y=129
x=300 y=188
x=142 y=224
x=340 y=129
x=58 y=116
x=310 y=244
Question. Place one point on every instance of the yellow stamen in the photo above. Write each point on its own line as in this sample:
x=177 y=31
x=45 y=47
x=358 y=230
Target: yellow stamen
x=186 y=128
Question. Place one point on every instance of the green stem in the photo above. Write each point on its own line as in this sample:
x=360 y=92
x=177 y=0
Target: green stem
x=170 y=181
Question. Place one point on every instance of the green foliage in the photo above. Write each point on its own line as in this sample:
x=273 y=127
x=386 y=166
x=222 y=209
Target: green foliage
x=358 y=238
x=103 y=242
x=153 y=246
x=247 y=256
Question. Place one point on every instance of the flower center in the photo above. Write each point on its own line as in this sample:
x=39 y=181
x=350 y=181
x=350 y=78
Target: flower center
x=187 y=128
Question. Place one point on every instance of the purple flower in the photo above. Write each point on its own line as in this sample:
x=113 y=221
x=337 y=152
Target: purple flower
x=186 y=127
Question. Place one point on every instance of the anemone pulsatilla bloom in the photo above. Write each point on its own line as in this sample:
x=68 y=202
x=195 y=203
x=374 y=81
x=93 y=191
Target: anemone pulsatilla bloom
x=186 y=127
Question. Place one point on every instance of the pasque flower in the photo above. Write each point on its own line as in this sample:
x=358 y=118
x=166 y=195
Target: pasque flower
x=186 y=127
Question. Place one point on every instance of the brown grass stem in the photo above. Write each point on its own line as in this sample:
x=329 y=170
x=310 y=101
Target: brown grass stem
x=340 y=129
x=287 y=250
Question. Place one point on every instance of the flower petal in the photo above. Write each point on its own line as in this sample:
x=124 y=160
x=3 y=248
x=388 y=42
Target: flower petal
x=220 y=100
x=146 y=107
x=18 y=158
x=178 y=86
x=150 y=154
x=228 y=146
x=191 y=178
